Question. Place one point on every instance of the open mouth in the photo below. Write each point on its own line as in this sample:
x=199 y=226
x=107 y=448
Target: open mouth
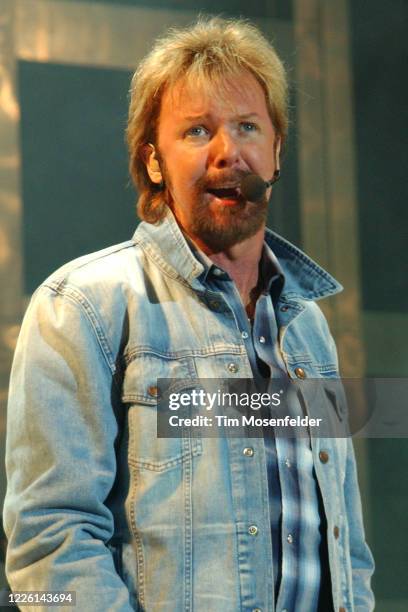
x=225 y=193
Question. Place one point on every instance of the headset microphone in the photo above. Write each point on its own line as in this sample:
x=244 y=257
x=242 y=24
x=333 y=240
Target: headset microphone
x=253 y=187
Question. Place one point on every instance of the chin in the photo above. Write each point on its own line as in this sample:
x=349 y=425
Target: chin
x=221 y=236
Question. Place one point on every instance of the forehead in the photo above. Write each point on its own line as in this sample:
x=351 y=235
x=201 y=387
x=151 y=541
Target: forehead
x=239 y=94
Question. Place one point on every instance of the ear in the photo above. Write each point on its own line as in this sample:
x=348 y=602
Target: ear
x=152 y=164
x=277 y=150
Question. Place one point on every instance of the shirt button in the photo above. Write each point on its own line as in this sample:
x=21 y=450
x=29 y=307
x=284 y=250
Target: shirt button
x=244 y=335
x=257 y=610
x=262 y=339
x=232 y=367
x=336 y=532
x=300 y=373
x=248 y=451
x=218 y=272
x=324 y=456
x=288 y=464
x=153 y=391
x=253 y=530
x=342 y=609
x=214 y=304
x=290 y=538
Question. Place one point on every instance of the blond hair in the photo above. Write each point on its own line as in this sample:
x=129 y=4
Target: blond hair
x=210 y=50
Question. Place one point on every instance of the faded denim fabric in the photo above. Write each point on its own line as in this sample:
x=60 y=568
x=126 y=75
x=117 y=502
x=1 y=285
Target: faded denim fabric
x=96 y=503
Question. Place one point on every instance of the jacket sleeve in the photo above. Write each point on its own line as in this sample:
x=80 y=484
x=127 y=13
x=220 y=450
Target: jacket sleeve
x=362 y=563
x=60 y=457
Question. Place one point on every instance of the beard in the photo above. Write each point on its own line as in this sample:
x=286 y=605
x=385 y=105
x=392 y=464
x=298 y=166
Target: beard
x=221 y=227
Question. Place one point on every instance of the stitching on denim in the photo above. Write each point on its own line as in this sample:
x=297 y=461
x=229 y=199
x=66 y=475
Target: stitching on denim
x=317 y=270
x=164 y=466
x=84 y=260
x=329 y=367
x=138 y=397
x=286 y=299
x=294 y=359
x=156 y=257
x=145 y=242
x=138 y=351
x=77 y=297
x=188 y=524
x=138 y=541
x=265 y=505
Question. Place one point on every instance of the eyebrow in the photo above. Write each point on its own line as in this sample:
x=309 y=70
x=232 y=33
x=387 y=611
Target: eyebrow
x=249 y=116
x=207 y=116
x=195 y=117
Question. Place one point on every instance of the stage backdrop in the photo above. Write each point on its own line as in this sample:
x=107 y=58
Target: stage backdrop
x=65 y=68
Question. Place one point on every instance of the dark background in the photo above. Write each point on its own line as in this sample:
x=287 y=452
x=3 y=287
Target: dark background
x=77 y=198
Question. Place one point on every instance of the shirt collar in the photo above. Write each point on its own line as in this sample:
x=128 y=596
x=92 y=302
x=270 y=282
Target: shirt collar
x=165 y=243
x=209 y=267
x=271 y=275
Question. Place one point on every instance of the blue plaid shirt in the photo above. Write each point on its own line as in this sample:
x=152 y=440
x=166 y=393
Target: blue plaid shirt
x=302 y=580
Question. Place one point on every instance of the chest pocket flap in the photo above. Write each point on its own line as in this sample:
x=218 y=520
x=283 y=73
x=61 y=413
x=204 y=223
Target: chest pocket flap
x=141 y=392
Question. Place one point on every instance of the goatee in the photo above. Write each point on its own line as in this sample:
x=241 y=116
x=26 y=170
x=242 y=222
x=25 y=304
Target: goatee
x=225 y=226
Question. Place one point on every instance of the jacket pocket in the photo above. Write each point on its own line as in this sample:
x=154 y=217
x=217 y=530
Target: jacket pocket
x=141 y=392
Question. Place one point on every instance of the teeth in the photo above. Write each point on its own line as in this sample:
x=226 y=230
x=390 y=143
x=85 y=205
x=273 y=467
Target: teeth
x=224 y=192
x=224 y=187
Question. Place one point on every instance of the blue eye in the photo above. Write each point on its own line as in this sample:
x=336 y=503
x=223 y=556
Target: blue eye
x=248 y=126
x=197 y=130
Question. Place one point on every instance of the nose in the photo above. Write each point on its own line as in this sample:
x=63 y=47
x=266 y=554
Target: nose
x=225 y=150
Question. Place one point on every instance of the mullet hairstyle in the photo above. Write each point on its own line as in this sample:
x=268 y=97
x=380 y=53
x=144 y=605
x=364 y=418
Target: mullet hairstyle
x=207 y=53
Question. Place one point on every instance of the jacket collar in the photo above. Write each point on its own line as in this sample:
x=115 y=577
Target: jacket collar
x=165 y=244
x=303 y=276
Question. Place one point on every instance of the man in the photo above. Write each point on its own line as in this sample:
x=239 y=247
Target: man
x=97 y=503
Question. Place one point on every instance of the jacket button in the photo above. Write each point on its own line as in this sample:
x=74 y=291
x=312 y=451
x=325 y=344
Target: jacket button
x=336 y=532
x=342 y=609
x=324 y=456
x=232 y=367
x=284 y=308
x=153 y=391
x=300 y=373
x=253 y=530
x=248 y=451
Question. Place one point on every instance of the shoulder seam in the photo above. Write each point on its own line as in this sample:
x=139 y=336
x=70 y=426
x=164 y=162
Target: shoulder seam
x=59 y=277
x=73 y=294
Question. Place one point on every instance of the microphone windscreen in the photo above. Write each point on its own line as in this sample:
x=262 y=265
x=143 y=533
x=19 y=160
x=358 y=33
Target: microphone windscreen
x=253 y=188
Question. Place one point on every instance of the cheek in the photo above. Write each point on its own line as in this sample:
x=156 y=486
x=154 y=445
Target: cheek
x=261 y=161
x=266 y=158
x=187 y=169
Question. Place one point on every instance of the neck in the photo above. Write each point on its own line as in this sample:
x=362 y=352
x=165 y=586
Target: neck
x=241 y=262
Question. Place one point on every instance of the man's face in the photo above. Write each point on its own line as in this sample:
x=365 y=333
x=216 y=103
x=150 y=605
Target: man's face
x=207 y=141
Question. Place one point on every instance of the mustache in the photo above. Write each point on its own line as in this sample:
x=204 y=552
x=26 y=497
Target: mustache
x=230 y=178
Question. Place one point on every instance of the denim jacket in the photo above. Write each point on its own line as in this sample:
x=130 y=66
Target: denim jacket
x=96 y=502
